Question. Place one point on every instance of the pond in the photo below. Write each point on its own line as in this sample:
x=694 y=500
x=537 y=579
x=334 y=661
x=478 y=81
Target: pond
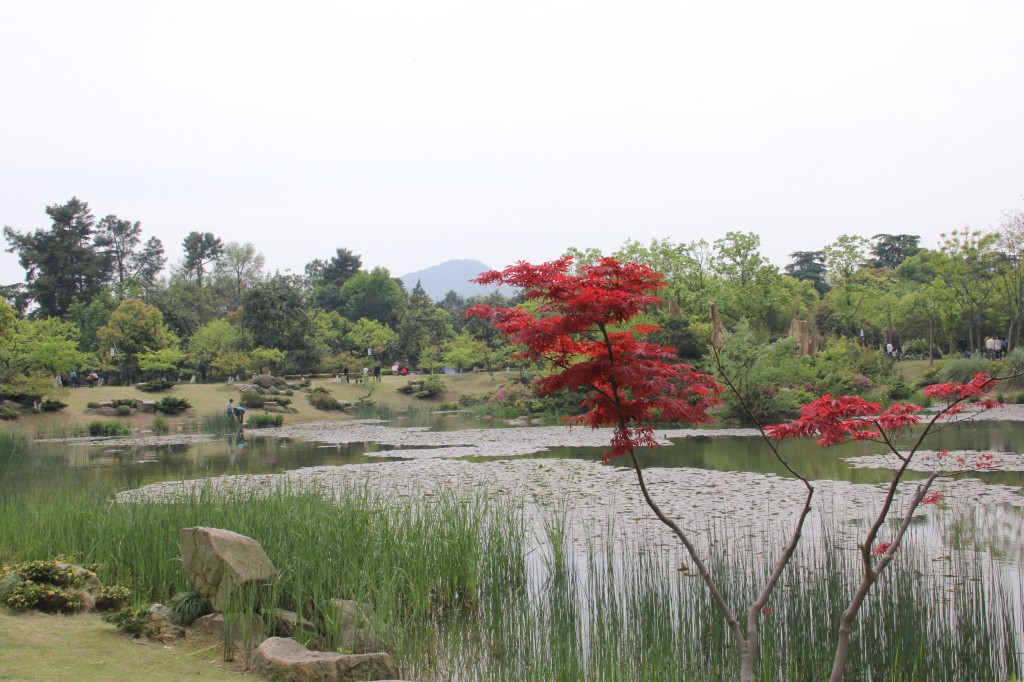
x=128 y=463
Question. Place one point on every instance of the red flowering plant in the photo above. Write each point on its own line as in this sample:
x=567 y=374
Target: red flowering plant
x=580 y=327
x=836 y=420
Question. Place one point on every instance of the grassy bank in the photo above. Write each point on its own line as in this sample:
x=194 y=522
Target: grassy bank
x=41 y=648
x=211 y=398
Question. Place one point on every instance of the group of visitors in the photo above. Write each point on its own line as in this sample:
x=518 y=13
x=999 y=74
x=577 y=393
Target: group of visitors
x=236 y=411
x=73 y=380
x=995 y=347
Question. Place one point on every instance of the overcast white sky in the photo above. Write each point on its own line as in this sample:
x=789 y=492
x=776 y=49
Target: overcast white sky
x=415 y=132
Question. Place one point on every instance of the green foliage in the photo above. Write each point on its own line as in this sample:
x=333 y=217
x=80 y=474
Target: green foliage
x=133 y=329
x=51 y=405
x=47 y=598
x=274 y=314
x=767 y=378
x=844 y=367
x=322 y=399
x=155 y=385
x=108 y=427
x=200 y=249
x=8 y=413
x=112 y=598
x=162 y=360
x=48 y=586
x=1014 y=362
x=188 y=607
x=464 y=351
x=46 y=254
x=258 y=421
x=160 y=427
x=131 y=620
x=962 y=370
x=423 y=388
x=170 y=404
x=252 y=399
x=917 y=348
x=26 y=389
x=124 y=410
x=375 y=296
x=118 y=402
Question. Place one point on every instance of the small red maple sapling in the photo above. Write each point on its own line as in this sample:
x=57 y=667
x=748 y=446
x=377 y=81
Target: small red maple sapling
x=851 y=418
x=582 y=330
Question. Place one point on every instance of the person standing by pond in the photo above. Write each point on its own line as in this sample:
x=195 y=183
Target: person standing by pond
x=230 y=408
x=376 y=373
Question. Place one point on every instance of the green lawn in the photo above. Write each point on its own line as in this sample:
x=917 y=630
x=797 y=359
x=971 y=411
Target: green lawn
x=39 y=647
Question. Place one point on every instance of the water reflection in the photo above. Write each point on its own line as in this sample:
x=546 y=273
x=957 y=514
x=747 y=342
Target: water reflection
x=256 y=452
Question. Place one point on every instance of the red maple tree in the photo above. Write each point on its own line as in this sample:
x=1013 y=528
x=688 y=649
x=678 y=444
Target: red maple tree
x=582 y=329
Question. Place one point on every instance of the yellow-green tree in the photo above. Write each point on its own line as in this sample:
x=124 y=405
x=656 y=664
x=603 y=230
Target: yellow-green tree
x=133 y=328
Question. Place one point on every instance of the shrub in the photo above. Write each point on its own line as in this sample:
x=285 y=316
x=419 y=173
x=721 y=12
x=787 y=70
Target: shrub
x=423 y=388
x=160 y=425
x=51 y=405
x=92 y=405
x=108 y=427
x=251 y=399
x=124 y=410
x=44 y=585
x=322 y=399
x=132 y=620
x=155 y=385
x=48 y=598
x=8 y=412
x=112 y=598
x=1014 y=362
x=962 y=370
x=169 y=404
x=118 y=402
x=188 y=607
x=258 y=421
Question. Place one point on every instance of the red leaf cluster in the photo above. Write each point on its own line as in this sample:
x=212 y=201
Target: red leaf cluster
x=845 y=418
x=581 y=328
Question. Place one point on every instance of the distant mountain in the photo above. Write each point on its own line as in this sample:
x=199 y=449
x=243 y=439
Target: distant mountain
x=452 y=275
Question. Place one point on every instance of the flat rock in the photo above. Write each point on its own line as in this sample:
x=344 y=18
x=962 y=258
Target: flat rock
x=282 y=658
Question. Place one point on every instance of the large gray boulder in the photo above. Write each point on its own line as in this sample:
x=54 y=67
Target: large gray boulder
x=264 y=380
x=284 y=659
x=217 y=561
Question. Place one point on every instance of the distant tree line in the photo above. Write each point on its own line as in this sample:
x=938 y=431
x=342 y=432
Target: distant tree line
x=97 y=294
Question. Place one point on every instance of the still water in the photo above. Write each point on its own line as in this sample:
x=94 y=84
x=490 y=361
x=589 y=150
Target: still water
x=128 y=465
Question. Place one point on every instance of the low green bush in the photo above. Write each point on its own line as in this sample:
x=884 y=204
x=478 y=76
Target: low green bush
x=112 y=598
x=8 y=412
x=258 y=421
x=252 y=399
x=51 y=405
x=962 y=370
x=108 y=427
x=92 y=405
x=170 y=404
x=423 y=388
x=48 y=586
x=124 y=410
x=131 y=620
x=322 y=399
x=188 y=607
x=155 y=386
x=160 y=425
x=118 y=402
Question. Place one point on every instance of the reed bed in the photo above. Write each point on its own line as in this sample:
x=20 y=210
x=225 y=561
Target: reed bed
x=477 y=587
